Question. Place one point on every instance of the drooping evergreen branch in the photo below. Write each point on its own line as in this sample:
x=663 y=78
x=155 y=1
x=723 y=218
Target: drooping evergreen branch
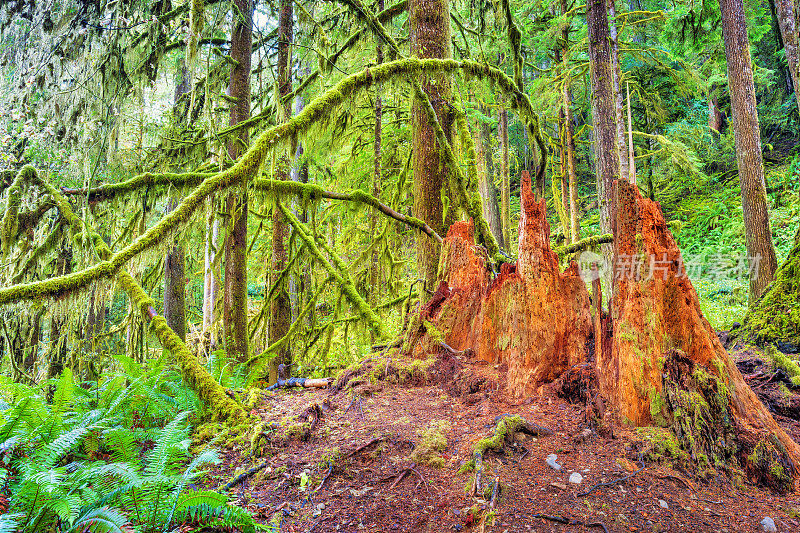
x=250 y=163
x=338 y=272
x=208 y=390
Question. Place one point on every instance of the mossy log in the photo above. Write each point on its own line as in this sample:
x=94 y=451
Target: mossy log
x=775 y=317
x=656 y=359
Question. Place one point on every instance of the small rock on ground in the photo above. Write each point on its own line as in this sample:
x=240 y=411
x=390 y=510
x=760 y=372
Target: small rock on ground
x=769 y=525
x=663 y=504
x=575 y=478
x=551 y=462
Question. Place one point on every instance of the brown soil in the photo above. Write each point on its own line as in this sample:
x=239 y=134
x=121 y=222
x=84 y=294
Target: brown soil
x=362 y=493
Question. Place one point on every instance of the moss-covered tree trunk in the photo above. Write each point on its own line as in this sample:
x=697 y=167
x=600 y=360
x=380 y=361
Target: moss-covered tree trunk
x=235 y=283
x=569 y=134
x=210 y=274
x=174 y=262
x=619 y=101
x=505 y=179
x=775 y=318
x=787 y=23
x=375 y=278
x=603 y=112
x=760 y=251
x=175 y=285
x=486 y=184
x=429 y=36
x=280 y=307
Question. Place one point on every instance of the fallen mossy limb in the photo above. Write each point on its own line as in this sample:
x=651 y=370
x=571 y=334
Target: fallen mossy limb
x=583 y=244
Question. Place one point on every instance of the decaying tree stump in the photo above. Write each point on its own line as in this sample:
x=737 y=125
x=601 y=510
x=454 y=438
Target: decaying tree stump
x=531 y=319
x=666 y=366
x=656 y=358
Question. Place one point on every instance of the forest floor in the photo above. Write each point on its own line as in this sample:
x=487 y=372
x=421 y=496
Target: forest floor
x=368 y=438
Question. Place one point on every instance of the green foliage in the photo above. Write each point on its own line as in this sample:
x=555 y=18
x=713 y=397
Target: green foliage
x=106 y=458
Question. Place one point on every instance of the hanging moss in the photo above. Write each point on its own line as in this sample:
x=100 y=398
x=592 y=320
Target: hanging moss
x=10 y=222
x=250 y=163
x=338 y=274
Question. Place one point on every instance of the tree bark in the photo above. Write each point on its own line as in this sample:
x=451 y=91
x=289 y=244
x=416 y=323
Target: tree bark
x=235 y=288
x=714 y=112
x=505 y=180
x=569 y=133
x=281 y=313
x=603 y=112
x=210 y=277
x=619 y=101
x=175 y=285
x=761 y=254
x=375 y=281
x=787 y=22
x=174 y=264
x=430 y=38
x=488 y=190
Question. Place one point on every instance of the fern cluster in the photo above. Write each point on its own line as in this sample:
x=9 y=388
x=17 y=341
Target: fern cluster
x=106 y=456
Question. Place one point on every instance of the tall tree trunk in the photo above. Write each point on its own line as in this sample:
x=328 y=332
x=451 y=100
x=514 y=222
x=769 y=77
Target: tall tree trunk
x=175 y=285
x=430 y=38
x=758 y=236
x=234 y=315
x=488 y=189
x=174 y=264
x=281 y=313
x=377 y=183
x=210 y=277
x=603 y=114
x=619 y=101
x=569 y=133
x=631 y=154
x=787 y=22
x=505 y=179
x=58 y=343
x=714 y=112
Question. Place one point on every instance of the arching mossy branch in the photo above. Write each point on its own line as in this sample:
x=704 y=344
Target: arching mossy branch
x=314 y=192
x=250 y=163
x=10 y=223
x=110 y=190
x=208 y=390
x=339 y=274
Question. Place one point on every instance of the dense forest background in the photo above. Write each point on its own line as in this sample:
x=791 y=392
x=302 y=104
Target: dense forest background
x=160 y=249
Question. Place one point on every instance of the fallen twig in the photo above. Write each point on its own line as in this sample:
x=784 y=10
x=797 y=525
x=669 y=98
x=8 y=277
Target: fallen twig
x=241 y=477
x=570 y=521
x=330 y=471
x=610 y=483
x=363 y=446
